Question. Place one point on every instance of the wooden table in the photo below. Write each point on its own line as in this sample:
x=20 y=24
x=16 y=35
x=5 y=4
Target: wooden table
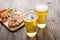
x=52 y=30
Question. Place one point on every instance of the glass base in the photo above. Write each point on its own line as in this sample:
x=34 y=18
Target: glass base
x=31 y=34
x=41 y=25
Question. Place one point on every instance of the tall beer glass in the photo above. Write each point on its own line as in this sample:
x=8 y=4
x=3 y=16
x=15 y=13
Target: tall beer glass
x=30 y=20
x=42 y=11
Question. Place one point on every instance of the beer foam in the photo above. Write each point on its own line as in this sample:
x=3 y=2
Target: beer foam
x=30 y=17
x=41 y=7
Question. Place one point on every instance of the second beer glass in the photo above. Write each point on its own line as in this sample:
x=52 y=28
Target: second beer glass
x=41 y=10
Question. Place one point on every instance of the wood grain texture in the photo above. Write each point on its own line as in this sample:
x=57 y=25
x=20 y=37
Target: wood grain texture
x=53 y=19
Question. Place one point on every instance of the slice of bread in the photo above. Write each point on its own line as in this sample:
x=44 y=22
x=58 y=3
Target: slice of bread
x=15 y=21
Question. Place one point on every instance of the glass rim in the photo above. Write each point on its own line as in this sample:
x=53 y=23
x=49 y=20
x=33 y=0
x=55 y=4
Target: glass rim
x=27 y=16
x=41 y=7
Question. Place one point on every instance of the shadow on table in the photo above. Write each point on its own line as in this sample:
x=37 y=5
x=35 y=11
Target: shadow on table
x=43 y=34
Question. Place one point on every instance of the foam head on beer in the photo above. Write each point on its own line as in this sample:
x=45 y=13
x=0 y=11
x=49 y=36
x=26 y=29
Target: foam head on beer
x=42 y=11
x=41 y=7
x=30 y=17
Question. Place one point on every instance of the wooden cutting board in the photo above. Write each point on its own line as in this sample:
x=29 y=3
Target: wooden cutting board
x=13 y=29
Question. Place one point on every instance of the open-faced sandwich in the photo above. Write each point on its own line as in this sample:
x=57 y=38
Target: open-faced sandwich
x=13 y=17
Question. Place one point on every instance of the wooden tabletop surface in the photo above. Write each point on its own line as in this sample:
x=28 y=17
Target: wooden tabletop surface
x=52 y=30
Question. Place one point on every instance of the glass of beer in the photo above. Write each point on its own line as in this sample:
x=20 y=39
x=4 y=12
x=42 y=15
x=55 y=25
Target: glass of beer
x=41 y=10
x=30 y=21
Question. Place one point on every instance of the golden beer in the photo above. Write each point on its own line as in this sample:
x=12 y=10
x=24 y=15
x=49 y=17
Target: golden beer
x=42 y=11
x=31 y=26
x=41 y=16
x=30 y=21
